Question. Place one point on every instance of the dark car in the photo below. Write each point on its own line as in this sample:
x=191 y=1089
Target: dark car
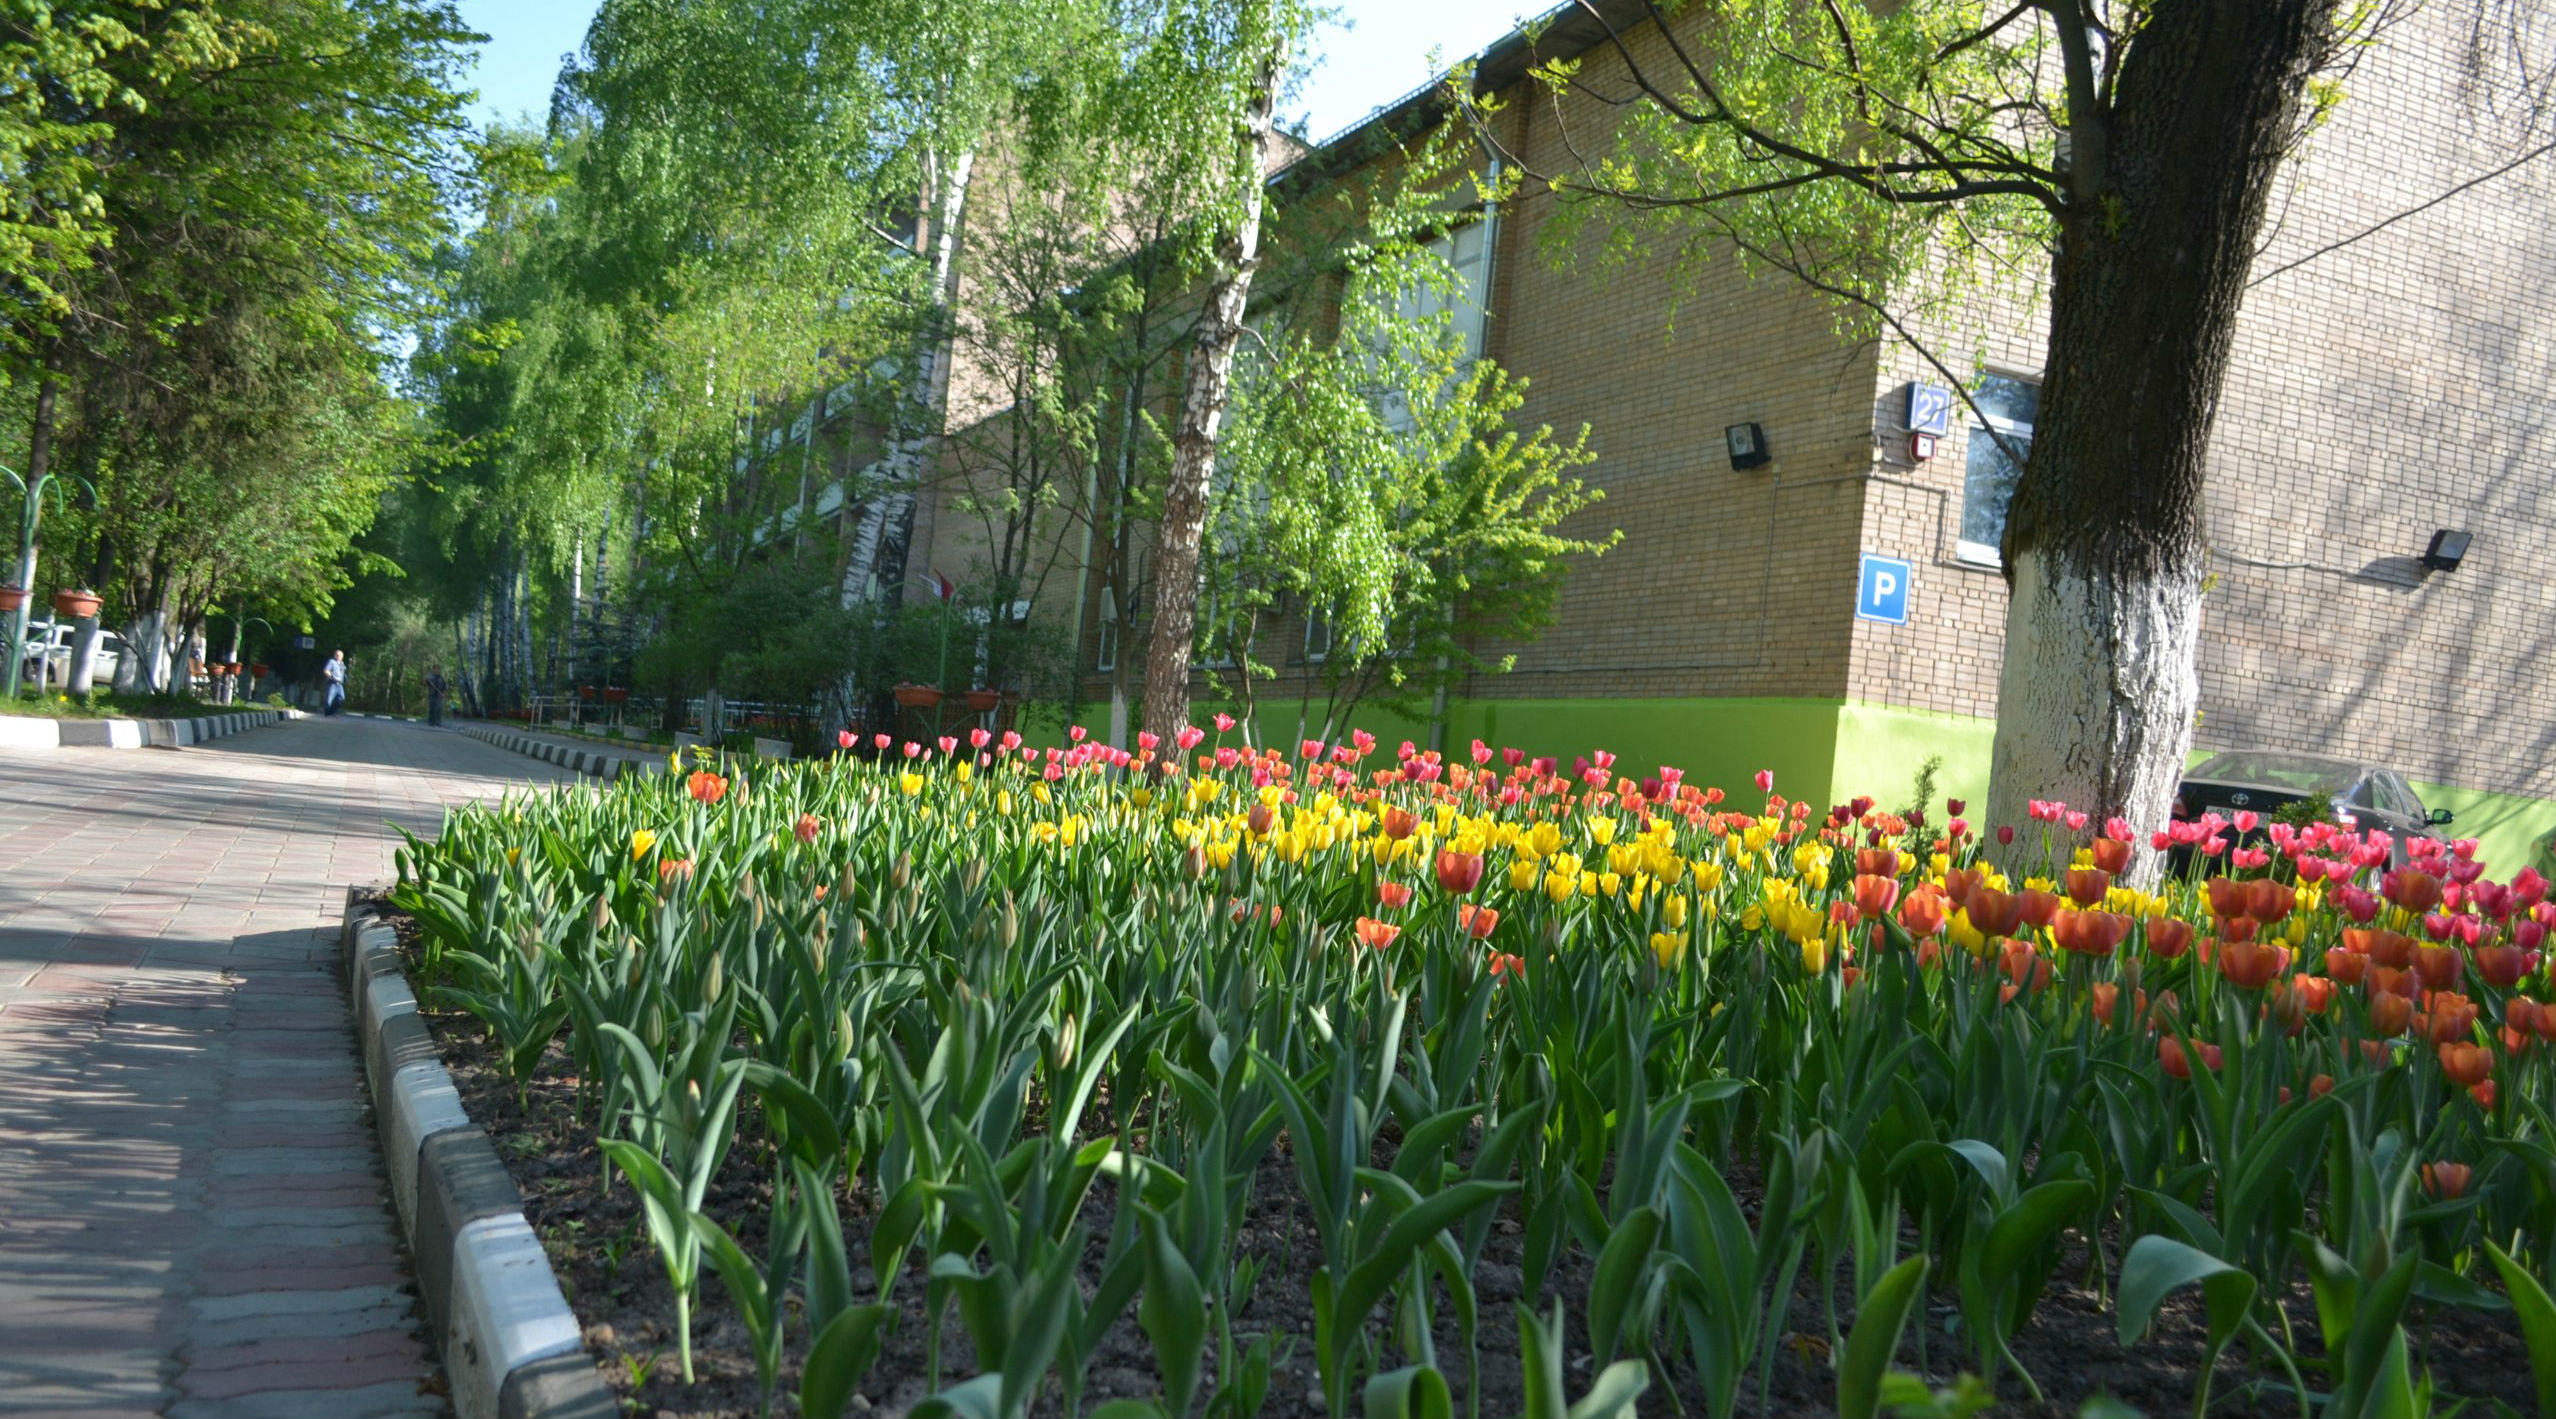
x=2265 y=781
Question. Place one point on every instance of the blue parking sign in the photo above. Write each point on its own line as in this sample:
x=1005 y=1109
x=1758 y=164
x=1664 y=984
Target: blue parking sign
x=1882 y=593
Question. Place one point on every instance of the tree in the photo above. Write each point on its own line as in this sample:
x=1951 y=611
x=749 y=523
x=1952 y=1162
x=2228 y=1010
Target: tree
x=1247 y=40
x=1878 y=151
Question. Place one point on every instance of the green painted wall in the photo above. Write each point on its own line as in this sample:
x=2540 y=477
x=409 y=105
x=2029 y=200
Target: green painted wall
x=2507 y=828
x=1880 y=749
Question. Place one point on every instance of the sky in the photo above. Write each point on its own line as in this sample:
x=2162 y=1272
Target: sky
x=1378 y=52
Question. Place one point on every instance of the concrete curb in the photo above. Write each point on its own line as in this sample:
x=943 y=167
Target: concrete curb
x=511 y=1347
x=28 y=732
x=602 y=763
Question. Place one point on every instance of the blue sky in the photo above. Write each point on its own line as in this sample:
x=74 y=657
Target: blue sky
x=1378 y=52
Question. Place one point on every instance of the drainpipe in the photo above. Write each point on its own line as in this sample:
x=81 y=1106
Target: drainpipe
x=1481 y=350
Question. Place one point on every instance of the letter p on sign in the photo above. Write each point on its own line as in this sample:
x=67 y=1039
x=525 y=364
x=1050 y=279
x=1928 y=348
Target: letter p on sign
x=1882 y=591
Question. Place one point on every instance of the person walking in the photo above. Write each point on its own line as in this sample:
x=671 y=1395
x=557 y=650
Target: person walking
x=435 y=697
x=335 y=670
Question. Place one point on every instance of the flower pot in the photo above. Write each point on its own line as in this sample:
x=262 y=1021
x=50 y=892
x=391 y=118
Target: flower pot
x=585 y=692
x=77 y=605
x=918 y=696
x=982 y=701
x=257 y=668
x=615 y=694
x=11 y=598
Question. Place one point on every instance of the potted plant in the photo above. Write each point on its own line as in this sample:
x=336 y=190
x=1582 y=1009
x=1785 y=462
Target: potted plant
x=77 y=605
x=585 y=692
x=616 y=694
x=11 y=598
x=914 y=696
x=982 y=701
x=257 y=669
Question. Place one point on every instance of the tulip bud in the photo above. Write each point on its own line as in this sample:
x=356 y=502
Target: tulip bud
x=1009 y=933
x=714 y=980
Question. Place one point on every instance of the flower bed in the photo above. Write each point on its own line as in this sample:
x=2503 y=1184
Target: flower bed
x=1337 y=1082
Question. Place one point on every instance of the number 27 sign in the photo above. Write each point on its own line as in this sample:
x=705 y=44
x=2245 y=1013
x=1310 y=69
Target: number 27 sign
x=1929 y=409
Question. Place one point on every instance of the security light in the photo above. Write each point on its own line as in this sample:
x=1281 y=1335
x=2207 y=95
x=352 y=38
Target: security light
x=1748 y=445
x=2448 y=549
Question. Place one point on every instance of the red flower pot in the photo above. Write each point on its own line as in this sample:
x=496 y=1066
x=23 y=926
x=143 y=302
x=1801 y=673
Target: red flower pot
x=258 y=668
x=11 y=598
x=78 y=605
x=585 y=692
x=918 y=696
x=981 y=701
x=615 y=694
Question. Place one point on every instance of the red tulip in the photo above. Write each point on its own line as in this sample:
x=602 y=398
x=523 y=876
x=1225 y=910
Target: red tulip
x=2106 y=994
x=2346 y=966
x=2112 y=855
x=2228 y=897
x=805 y=828
x=2502 y=966
x=2439 y=966
x=2168 y=937
x=2090 y=933
x=2467 y=1064
x=2411 y=889
x=2250 y=965
x=1995 y=913
x=1876 y=895
x=2172 y=1059
x=2446 y=1181
x=2039 y=906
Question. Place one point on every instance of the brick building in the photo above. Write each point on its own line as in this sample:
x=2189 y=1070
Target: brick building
x=2380 y=391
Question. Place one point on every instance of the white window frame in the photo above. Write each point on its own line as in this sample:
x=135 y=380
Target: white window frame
x=1982 y=423
x=1107 y=659
x=1317 y=620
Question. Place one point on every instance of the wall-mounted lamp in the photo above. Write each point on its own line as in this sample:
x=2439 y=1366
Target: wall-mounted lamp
x=2448 y=549
x=1748 y=445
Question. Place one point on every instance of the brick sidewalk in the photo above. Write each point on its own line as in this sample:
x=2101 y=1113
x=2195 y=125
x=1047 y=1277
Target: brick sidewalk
x=193 y=1216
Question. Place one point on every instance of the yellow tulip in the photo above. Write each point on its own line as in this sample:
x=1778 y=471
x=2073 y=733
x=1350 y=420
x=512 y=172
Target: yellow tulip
x=1003 y=801
x=1601 y=830
x=1546 y=839
x=1522 y=874
x=640 y=842
x=1139 y=797
x=1815 y=955
x=1673 y=910
x=1669 y=948
x=911 y=782
x=1560 y=885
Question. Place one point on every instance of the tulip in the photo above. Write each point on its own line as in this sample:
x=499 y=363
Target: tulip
x=2543 y=1022
x=1398 y=824
x=1459 y=872
x=2039 y=907
x=1375 y=934
x=674 y=871
x=2438 y=966
x=2320 y=1086
x=2345 y=966
x=1393 y=896
x=2087 y=885
x=2446 y=1181
x=1921 y=913
x=805 y=828
x=2449 y=1017
x=2467 y=1064
x=1513 y=967
x=2005 y=835
x=2111 y=855
x=2411 y=889
x=1995 y=913
x=640 y=842
x=2483 y=1094
x=2106 y=995
x=2502 y=966
x=706 y=787
x=2168 y=937
x=1479 y=922
x=2228 y=897
x=1874 y=895
x=2172 y=1059
x=2090 y=933
x=2250 y=965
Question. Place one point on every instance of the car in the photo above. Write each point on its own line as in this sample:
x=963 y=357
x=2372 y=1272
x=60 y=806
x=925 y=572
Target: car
x=54 y=639
x=2363 y=795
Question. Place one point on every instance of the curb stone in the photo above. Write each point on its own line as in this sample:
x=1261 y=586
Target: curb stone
x=511 y=1347
x=29 y=732
x=605 y=764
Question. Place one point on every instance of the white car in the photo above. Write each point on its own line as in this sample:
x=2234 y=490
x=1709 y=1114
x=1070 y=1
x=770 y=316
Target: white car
x=54 y=638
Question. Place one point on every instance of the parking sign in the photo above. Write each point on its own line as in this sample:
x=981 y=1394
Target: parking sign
x=1882 y=592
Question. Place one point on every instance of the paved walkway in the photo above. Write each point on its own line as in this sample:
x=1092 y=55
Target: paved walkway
x=193 y=1217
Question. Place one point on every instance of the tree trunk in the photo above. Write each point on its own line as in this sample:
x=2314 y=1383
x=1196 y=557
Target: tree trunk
x=2103 y=543
x=1202 y=412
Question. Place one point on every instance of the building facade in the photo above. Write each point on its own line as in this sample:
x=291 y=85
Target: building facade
x=1836 y=611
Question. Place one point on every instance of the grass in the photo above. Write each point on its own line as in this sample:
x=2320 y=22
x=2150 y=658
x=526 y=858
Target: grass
x=109 y=705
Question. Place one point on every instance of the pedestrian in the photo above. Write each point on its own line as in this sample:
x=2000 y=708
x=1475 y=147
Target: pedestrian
x=335 y=670
x=435 y=696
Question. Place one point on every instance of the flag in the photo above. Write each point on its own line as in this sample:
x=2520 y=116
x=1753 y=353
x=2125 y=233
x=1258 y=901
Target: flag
x=948 y=588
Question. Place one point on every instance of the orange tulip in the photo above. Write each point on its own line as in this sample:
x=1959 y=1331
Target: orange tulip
x=1398 y=824
x=2168 y=937
x=2106 y=995
x=1875 y=895
x=2087 y=885
x=2384 y=981
x=2039 y=906
x=1960 y=882
x=2090 y=933
x=706 y=786
x=2172 y=1059
x=2449 y=1017
x=2112 y=855
x=2390 y=1014
x=1922 y=912
x=2483 y=1094
x=2227 y=898
x=1377 y=934
x=1877 y=862
x=1459 y=872
x=2315 y=991
x=2250 y=965
x=2320 y=1086
x=2446 y=1181
x=1393 y=896
x=2439 y=966
x=2346 y=967
x=1479 y=922
x=2502 y=966
x=1513 y=967
x=2268 y=901
x=1994 y=913
x=2393 y=949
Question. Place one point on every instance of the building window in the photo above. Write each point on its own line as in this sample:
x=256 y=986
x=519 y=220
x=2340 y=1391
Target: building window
x=1107 y=661
x=1317 y=637
x=1995 y=463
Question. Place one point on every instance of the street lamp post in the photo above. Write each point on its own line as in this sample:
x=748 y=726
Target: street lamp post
x=33 y=508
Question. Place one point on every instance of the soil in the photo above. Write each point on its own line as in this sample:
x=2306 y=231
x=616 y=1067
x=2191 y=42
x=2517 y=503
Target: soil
x=598 y=1245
